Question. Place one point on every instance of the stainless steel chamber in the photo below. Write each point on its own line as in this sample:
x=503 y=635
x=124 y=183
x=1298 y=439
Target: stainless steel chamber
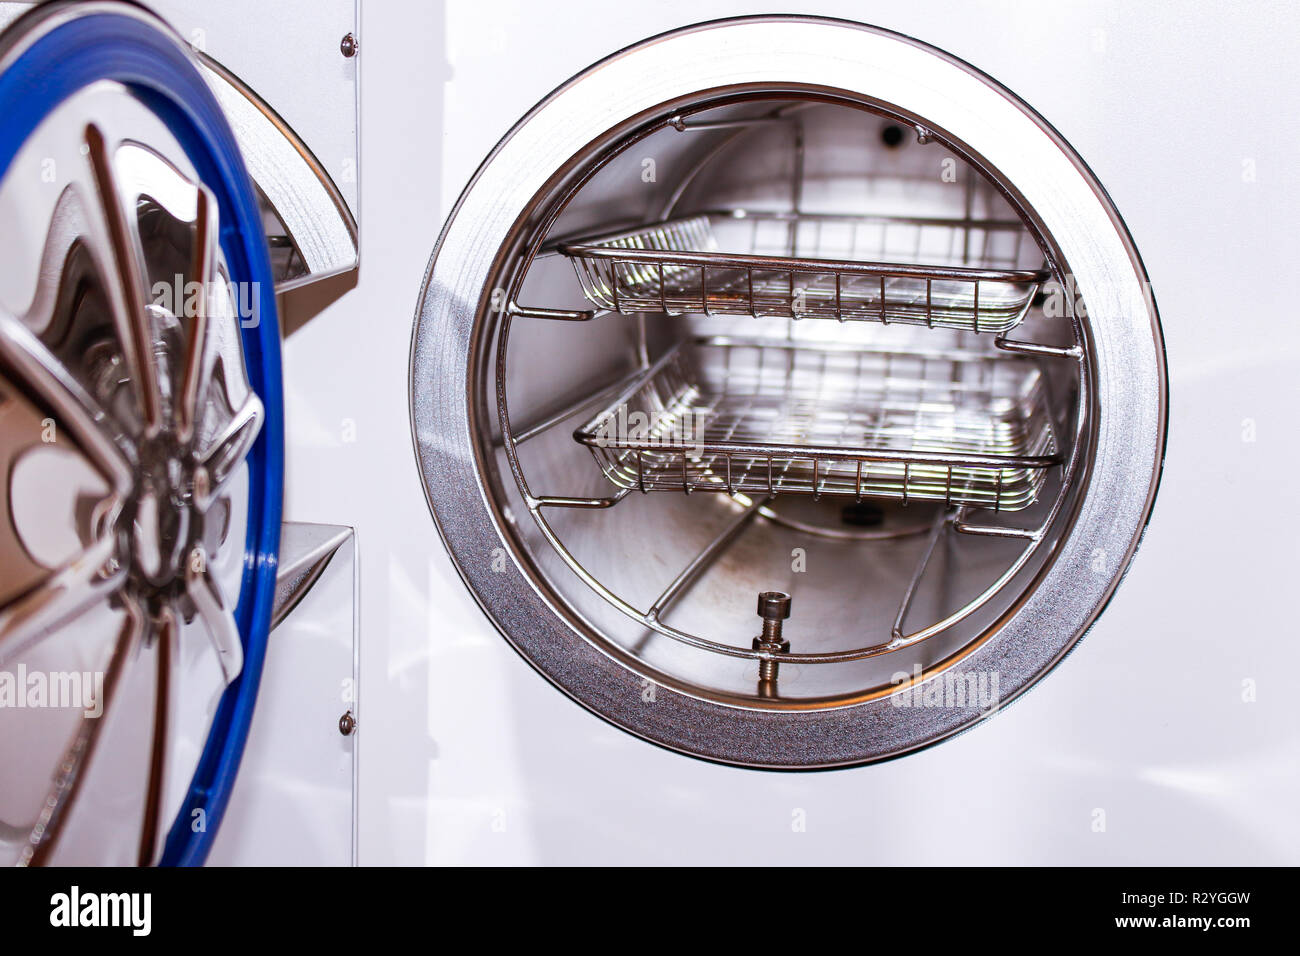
x=799 y=316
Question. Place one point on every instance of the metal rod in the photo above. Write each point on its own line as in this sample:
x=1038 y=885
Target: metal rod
x=905 y=605
x=796 y=189
x=960 y=524
x=680 y=124
x=947 y=222
x=560 y=501
x=702 y=560
x=767 y=263
x=563 y=315
x=846 y=453
x=1033 y=348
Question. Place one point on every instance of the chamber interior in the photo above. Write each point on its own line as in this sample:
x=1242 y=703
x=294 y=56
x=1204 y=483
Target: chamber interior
x=769 y=346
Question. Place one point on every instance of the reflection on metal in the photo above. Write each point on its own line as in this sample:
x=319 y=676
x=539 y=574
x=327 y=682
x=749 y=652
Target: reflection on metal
x=773 y=608
x=320 y=233
x=148 y=403
x=305 y=552
x=572 y=601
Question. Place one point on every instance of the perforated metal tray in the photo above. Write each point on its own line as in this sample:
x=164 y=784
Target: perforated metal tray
x=744 y=416
x=944 y=273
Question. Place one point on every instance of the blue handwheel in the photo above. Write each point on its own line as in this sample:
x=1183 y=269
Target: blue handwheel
x=141 y=443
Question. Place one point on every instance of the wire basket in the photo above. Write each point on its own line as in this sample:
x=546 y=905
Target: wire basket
x=944 y=273
x=733 y=416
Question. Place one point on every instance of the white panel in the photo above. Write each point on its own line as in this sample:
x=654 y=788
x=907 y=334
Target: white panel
x=293 y=802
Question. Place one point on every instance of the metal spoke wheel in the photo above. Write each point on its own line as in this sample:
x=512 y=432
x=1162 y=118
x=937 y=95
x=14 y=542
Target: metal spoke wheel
x=140 y=443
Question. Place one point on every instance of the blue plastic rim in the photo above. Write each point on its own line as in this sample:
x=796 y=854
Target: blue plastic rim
x=139 y=52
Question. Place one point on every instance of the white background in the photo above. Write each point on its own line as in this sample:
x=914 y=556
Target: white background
x=468 y=756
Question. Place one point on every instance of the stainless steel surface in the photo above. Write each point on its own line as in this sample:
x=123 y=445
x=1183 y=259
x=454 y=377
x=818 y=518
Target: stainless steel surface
x=816 y=132
x=1011 y=603
x=126 y=430
x=730 y=415
x=945 y=273
x=320 y=232
x=305 y=552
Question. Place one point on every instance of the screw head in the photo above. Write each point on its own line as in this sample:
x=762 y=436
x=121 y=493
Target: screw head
x=774 y=605
x=348 y=46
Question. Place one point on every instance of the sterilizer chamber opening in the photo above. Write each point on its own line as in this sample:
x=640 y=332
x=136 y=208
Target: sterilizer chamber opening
x=782 y=396
x=769 y=345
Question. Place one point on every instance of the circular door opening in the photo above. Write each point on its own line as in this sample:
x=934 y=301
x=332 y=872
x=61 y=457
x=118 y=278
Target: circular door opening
x=785 y=383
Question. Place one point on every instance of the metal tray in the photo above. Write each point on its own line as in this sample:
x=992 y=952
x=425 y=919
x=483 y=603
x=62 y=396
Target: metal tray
x=730 y=416
x=943 y=273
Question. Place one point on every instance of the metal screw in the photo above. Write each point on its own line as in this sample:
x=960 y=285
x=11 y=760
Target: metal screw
x=348 y=46
x=773 y=608
x=347 y=724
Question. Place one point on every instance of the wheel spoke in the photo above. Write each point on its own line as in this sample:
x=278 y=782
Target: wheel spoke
x=163 y=718
x=121 y=259
x=65 y=230
x=69 y=776
x=202 y=269
x=62 y=595
x=228 y=450
x=216 y=616
x=29 y=366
